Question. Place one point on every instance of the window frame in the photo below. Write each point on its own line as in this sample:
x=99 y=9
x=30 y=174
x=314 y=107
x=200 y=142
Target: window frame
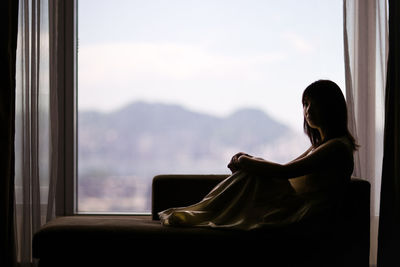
x=67 y=64
x=66 y=12
x=67 y=97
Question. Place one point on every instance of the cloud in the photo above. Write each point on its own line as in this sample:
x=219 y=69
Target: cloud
x=111 y=75
x=298 y=42
x=171 y=61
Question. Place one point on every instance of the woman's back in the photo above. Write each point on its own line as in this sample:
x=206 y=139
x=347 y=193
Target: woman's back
x=332 y=176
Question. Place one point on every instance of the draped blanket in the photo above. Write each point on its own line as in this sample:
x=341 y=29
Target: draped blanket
x=246 y=202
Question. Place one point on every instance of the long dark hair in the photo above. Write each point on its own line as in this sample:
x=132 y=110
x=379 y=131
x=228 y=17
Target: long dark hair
x=333 y=112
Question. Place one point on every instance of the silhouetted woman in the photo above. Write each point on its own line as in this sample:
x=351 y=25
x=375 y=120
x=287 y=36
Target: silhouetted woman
x=261 y=193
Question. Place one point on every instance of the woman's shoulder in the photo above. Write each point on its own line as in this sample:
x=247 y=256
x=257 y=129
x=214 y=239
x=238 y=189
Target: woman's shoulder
x=343 y=149
x=338 y=147
x=340 y=142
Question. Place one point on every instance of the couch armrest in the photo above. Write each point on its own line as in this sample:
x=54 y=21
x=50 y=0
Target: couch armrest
x=356 y=215
x=177 y=190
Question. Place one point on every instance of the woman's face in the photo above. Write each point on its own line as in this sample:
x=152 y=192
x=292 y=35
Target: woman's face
x=311 y=113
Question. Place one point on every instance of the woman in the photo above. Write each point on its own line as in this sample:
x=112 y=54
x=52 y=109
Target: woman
x=261 y=193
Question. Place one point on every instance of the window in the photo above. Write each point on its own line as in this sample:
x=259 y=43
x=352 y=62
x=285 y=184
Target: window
x=180 y=86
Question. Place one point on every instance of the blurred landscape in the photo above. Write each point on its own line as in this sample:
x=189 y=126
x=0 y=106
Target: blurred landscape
x=120 y=152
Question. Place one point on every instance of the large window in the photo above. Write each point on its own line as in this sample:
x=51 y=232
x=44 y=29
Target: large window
x=180 y=86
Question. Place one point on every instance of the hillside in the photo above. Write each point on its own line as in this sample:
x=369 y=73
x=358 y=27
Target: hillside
x=158 y=136
x=120 y=152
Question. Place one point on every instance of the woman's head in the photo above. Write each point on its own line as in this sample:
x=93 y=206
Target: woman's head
x=325 y=109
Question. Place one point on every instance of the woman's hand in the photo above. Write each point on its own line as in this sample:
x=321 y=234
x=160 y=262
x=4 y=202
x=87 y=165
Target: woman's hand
x=234 y=163
x=258 y=166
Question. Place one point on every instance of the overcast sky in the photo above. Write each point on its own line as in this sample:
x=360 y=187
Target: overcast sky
x=213 y=56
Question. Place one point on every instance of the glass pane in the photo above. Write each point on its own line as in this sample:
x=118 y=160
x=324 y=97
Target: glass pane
x=180 y=86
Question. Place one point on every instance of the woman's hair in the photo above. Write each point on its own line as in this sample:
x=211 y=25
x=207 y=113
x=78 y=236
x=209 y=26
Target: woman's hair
x=333 y=112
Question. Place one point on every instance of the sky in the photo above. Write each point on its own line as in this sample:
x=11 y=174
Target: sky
x=211 y=56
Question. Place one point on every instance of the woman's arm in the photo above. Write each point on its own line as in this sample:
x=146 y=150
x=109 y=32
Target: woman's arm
x=305 y=153
x=333 y=153
x=233 y=165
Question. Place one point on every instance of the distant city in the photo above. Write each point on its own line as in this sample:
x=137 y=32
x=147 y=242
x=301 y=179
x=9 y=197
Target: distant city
x=120 y=152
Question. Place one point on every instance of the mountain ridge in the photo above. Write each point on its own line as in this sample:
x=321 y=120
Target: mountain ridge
x=144 y=135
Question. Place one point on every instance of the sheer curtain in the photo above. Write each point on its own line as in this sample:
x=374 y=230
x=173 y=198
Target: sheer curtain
x=365 y=50
x=35 y=126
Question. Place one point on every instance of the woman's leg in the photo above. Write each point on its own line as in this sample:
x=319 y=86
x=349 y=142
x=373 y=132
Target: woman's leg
x=210 y=206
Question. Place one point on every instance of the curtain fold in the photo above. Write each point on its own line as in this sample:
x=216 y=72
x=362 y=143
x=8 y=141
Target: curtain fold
x=365 y=54
x=8 y=45
x=35 y=127
x=389 y=220
x=53 y=11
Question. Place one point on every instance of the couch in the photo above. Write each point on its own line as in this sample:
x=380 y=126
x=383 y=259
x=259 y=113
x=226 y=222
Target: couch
x=338 y=237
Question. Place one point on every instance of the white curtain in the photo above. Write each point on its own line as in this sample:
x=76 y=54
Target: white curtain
x=365 y=51
x=36 y=124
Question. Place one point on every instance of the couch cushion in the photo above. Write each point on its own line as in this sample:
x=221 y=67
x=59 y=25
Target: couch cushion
x=130 y=237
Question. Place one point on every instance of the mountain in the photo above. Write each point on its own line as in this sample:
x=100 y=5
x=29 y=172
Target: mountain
x=143 y=139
